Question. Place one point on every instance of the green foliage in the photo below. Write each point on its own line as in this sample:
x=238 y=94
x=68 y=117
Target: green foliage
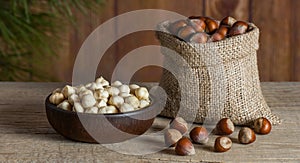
x=29 y=31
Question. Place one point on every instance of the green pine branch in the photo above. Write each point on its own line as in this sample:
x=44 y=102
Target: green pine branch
x=29 y=28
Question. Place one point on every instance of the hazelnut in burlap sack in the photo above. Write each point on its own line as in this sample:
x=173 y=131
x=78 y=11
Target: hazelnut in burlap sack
x=230 y=65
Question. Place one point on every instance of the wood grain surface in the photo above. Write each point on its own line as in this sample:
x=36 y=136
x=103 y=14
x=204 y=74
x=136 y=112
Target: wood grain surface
x=26 y=136
x=278 y=20
x=275 y=41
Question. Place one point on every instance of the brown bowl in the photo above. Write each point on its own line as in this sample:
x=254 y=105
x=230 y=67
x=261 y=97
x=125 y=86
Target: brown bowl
x=100 y=128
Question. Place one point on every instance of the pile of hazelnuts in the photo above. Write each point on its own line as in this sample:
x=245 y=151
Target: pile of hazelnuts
x=200 y=29
x=175 y=135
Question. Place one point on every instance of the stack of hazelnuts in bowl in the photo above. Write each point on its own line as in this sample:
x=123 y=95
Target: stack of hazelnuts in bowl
x=176 y=135
x=199 y=29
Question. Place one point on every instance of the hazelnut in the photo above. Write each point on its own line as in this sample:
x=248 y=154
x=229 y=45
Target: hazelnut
x=211 y=25
x=224 y=127
x=133 y=101
x=238 y=28
x=198 y=24
x=144 y=103
x=223 y=30
x=108 y=110
x=124 y=89
x=116 y=101
x=174 y=27
x=65 y=105
x=57 y=98
x=262 y=126
x=246 y=135
x=142 y=93
x=93 y=110
x=116 y=83
x=199 y=135
x=184 y=147
x=185 y=32
x=216 y=37
x=222 y=144
x=228 y=21
x=199 y=38
x=133 y=87
x=68 y=90
x=179 y=124
x=171 y=137
x=126 y=108
x=102 y=81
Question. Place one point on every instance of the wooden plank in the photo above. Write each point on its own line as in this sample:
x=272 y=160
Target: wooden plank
x=295 y=34
x=85 y=25
x=138 y=39
x=219 y=9
x=274 y=56
x=25 y=134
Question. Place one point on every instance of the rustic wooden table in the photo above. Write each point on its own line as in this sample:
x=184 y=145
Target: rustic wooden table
x=25 y=134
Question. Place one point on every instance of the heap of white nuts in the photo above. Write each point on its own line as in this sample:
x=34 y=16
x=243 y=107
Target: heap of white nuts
x=100 y=97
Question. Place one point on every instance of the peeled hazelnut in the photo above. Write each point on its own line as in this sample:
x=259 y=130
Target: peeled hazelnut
x=116 y=84
x=211 y=25
x=85 y=92
x=199 y=38
x=102 y=81
x=238 y=28
x=198 y=24
x=171 y=137
x=144 y=103
x=228 y=21
x=88 y=101
x=93 y=110
x=108 y=110
x=133 y=87
x=116 y=101
x=174 y=27
x=56 y=98
x=222 y=144
x=80 y=88
x=113 y=91
x=95 y=86
x=185 y=32
x=73 y=98
x=199 y=135
x=124 y=95
x=78 y=108
x=101 y=103
x=262 y=126
x=124 y=89
x=142 y=93
x=246 y=135
x=65 y=105
x=101 y=94
x=184 y=147
x=224 y=127
x=179 y=124
x=126 y=108
x=133 y=101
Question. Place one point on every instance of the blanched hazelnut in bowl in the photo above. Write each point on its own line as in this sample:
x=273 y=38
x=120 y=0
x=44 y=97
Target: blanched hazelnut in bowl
x=99 y=97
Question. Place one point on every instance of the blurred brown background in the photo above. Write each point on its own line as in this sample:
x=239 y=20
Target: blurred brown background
x=278 y=20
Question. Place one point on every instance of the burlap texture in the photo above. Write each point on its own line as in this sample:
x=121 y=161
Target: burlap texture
x=232 y=64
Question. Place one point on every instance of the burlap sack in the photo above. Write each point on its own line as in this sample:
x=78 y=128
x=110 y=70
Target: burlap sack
x=234 y=59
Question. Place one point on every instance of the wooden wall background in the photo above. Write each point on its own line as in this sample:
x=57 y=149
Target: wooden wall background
x=278 y=20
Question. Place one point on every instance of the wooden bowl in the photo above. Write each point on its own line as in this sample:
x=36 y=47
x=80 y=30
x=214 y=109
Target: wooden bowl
x=100 y=128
